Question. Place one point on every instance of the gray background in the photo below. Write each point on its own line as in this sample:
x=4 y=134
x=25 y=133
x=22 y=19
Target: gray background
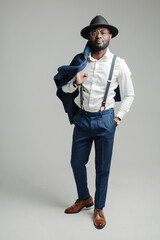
x=36 y=181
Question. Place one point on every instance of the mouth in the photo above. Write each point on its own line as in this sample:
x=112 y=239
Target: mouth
x=98 y=42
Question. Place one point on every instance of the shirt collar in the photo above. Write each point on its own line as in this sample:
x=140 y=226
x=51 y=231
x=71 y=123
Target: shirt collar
x=106 y=55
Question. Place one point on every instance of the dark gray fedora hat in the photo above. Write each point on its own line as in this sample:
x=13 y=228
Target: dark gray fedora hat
x=98 y=21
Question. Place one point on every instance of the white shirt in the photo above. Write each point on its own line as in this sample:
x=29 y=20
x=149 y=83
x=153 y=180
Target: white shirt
x=96 y=82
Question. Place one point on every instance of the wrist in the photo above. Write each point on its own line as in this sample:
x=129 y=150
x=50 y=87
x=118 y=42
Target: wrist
x=75 y=84
x=117 y=120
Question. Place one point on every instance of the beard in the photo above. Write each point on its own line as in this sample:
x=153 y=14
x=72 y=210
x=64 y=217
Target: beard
x=96 y=47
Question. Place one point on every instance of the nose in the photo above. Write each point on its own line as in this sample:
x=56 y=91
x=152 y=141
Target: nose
x=99 y=34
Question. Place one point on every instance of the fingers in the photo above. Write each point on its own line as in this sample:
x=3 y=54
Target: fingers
x=82 y=74
x=81 y=77
x=85 y=75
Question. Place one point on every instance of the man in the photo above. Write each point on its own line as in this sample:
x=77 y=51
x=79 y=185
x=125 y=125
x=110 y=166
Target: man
x=98 y=78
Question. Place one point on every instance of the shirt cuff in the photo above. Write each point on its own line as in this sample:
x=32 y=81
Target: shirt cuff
x=120 y=114
x=72 y=88
x=69 y=88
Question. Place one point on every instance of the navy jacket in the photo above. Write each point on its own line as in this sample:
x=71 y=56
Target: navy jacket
x=65 y=74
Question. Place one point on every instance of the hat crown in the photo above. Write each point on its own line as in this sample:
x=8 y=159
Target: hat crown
x=98 y=20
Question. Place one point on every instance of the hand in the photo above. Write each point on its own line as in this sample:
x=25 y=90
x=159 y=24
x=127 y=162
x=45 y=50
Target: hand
x=81 y=77
x=117 y=120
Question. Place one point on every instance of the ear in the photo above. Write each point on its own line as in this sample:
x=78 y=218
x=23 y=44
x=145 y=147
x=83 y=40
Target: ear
x=110 y=36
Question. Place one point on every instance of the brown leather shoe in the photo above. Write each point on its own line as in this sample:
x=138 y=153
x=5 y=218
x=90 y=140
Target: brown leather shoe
x=99 y=219
x=78 y=205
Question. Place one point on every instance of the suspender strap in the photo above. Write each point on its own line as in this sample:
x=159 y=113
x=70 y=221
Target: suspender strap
x=108 y=83
x=81 y=96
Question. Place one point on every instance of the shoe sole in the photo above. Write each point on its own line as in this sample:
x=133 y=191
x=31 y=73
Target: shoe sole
x=86 y=206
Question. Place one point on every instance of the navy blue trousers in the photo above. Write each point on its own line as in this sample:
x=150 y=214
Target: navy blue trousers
x=97 y=127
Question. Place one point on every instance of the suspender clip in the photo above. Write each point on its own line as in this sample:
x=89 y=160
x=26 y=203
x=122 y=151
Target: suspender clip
x=103 y=105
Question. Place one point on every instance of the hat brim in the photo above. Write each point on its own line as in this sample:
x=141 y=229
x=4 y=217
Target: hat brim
x=85 y=31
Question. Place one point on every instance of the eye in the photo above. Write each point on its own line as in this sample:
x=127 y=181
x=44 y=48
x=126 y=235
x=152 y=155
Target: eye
x=103 y=32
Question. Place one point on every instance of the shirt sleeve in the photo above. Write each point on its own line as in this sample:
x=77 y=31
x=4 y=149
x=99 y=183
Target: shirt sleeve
x=69 y=88
x=126 y=89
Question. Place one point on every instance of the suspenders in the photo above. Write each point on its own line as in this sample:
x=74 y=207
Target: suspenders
x=107 y=87
x=108 y=83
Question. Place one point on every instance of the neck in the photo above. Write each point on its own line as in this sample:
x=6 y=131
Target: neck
x=98 y=54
